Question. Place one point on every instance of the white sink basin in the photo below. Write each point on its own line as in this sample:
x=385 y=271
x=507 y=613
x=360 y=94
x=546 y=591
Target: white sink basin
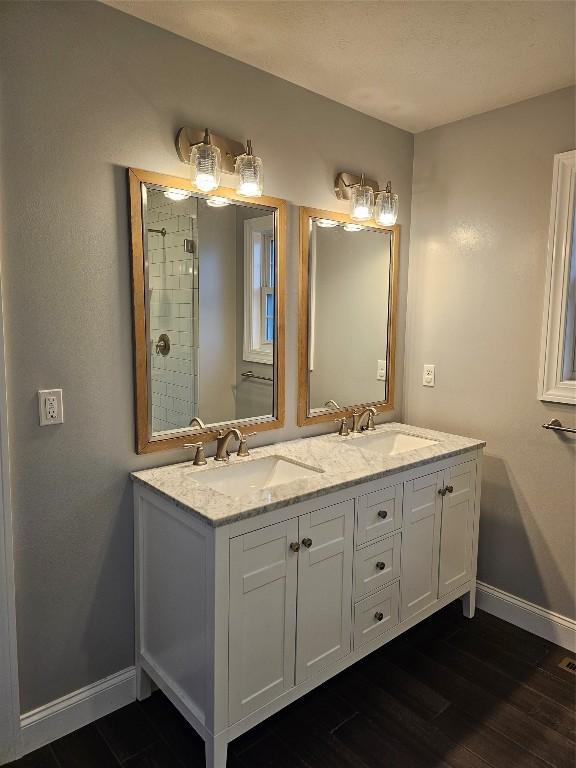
x=241 y=479
x=391 y=443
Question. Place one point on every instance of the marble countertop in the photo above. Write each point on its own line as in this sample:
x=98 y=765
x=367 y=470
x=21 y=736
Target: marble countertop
x=342 y=461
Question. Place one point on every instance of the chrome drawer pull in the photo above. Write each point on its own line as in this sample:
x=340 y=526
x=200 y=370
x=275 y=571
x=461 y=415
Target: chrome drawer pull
x=383 y=514
x=380 y=565
x=378 y=615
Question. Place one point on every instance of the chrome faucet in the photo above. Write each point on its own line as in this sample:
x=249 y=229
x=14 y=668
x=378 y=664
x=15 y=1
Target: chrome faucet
x=197 y=421
x=358 y=418
x=222 y=441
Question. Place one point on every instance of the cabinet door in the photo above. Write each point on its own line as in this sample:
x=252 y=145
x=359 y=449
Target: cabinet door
x=324 y=588
x=263 y=584
x=420 y=543
x=457 y=527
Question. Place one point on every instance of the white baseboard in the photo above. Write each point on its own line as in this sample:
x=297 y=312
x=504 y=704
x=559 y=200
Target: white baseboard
x=58 y=718
x=540 y=621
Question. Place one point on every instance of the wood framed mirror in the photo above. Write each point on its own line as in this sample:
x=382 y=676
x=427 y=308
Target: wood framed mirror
x=347 y=316
x=208 y=295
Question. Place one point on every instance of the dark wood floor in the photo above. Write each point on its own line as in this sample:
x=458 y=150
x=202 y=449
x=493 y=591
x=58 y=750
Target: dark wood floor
x=450 y=693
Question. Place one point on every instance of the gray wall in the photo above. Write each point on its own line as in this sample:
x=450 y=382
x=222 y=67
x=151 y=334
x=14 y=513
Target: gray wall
x=481 y=204
x=350 y=267
x=87 y=91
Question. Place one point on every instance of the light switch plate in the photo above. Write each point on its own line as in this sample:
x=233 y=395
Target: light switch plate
x=50 y=407
x=429 y=375
x=381 y=370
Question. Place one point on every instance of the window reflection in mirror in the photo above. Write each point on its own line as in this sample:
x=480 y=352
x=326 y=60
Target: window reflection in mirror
x=210 y=291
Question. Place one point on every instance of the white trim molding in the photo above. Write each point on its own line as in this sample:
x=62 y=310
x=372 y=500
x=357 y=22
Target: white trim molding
x=9 y=697
x=556 y=384
x=75 y=710
x=539 y=621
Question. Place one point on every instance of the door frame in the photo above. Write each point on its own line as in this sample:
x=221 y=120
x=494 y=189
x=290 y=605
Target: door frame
x=9 y=704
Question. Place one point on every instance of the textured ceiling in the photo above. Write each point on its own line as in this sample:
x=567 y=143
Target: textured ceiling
x=415 y=64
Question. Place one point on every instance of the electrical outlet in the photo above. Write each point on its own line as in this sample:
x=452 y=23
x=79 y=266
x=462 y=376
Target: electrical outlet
x=429 y=375
x=381 y=370
x=50 y=407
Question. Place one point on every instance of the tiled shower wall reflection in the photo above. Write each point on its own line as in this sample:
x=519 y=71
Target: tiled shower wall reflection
x=173 y=309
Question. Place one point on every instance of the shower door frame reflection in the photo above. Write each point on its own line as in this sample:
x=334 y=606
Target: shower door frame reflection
x=306 y=415
x=146 y=441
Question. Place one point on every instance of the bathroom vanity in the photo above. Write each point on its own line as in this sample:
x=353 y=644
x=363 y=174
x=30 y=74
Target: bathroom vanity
x=259 y=579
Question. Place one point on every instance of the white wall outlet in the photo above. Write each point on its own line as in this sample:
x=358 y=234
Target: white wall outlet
x=381 y=370
x=429 y=375
x=50 y=407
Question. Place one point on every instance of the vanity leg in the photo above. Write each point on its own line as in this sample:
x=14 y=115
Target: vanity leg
x=144 y=685
x=469 y=603
x=216 y=751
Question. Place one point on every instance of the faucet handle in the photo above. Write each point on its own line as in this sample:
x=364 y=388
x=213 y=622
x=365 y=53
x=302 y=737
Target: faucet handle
x=344 y=430
x=243 y=447
x=371 y=426
x=199 y=457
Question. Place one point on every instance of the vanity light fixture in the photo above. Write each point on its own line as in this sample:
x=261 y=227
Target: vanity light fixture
x=327 y=223
x=361 y=193
x=361 y=201
x=176 y=194
x=249 y=170
x=353 y=227
x=209 y=155
x=217 y=202
x=205 y=164
x=386 y=208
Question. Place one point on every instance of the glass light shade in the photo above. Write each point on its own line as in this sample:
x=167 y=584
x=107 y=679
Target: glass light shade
x=205 y=167
x=353 y=227
x=326 y=223
x=250 y=174
x=176 y=194
x=386 y=210
x=217 y=202
x=361 y=202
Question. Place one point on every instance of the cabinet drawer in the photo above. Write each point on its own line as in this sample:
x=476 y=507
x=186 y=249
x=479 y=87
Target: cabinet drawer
x=376 y=565
x=376 y=614
x=378 y=514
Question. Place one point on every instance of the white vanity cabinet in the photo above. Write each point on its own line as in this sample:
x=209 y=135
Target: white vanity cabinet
x=290 y=596
x=236 y=620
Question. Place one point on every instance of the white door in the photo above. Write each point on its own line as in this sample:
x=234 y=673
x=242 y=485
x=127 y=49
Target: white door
x=457 y=522
x=263 y=584
x=420 y=543
x=324 y=588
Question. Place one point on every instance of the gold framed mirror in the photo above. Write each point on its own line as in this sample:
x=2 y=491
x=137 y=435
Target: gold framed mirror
x=208 y=295
x=347 y=316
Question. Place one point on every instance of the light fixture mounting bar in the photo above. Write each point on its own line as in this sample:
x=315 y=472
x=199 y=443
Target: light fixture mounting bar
x=188 y=136
x=344 y=182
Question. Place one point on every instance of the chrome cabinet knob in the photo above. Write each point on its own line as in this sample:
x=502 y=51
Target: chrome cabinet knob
x=379 y=616
x=381 y=566
x=383 y=514
x=449 y=489
x=295 y=546
x=307 y=543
